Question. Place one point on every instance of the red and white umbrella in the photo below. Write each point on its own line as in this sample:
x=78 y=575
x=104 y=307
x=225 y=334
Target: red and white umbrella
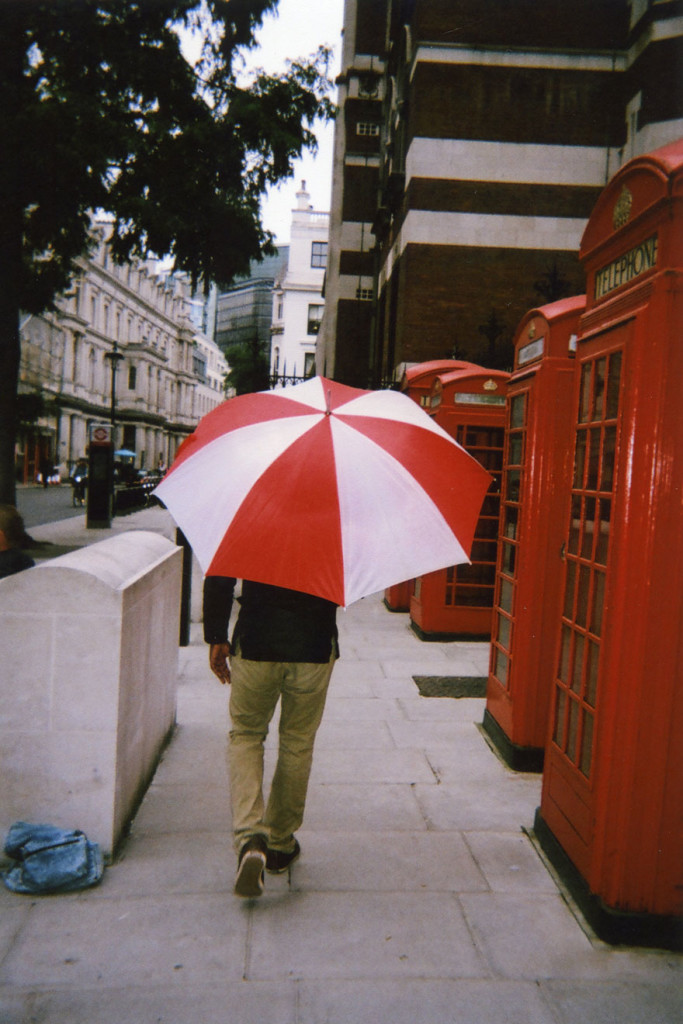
x=325 y=489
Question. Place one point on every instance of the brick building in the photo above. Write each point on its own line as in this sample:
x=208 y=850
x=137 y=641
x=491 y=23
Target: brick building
x=473 y=140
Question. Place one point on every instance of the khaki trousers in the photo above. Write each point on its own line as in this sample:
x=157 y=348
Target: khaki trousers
x=255 y=689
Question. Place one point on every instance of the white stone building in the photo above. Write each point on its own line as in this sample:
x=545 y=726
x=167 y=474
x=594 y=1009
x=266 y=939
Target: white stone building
x=297 y=297
x=130 y=318
x=210 y=366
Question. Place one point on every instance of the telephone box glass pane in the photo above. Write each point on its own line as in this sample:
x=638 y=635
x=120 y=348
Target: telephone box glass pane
x=517 y=411
x=449 y=595
x=586 y=745
x=558 y=731
x=569 y=590
x=475 y=597
x=505 y=599
x=613 y=381
x=588 y=528
x=583 y=593
x=510 y=522
x=580 y=458
x=602 y=526
x=598 y=602
x=484 y=551
x=593 y=460
x=573 y=729
x=585 y=394
x=493 y=461
x=577 y=668
x=479 y=573
x=592 y=655
x=487 y=529
x=491 y=505
x=564 y=653
x=516 y=448
x=509 y=554
x=609 y=445
x=500 y=667
x=599 y=389
x=513 y=485
x=575 y=525
x=504 y=631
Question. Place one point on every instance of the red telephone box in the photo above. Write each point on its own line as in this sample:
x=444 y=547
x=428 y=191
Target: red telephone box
x=418 y=380
x=613 y=777
x=535 y=484
x=417 y=383
x=469 y=403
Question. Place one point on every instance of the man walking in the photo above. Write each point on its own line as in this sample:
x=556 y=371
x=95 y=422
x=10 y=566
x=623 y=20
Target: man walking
x=283 y=647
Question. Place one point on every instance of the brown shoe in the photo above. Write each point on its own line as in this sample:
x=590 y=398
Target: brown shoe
x=277 y=862
x=251 y=867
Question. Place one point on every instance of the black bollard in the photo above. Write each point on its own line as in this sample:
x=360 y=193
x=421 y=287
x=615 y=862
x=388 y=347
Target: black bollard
x=186 y=589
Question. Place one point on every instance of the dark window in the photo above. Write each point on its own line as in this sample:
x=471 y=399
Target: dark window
x=132 y=377
x=315 y=315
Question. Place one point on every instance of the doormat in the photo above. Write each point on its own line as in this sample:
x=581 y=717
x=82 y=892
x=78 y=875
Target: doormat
x=451 y=686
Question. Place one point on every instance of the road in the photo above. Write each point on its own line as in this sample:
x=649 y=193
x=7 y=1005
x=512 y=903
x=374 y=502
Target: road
x=40 y=505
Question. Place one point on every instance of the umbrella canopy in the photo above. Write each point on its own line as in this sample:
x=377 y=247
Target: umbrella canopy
x=325 y=489
x=125 y=453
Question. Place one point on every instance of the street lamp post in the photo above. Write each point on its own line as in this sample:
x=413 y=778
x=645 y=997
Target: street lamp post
x=114 y=357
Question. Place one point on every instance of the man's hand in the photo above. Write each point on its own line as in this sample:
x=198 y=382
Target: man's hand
x=218 y=661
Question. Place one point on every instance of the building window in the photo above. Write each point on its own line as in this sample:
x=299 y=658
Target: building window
x=319 y=254
x=364 y=294
x=132 y=377
x=315 y=315
x=367 y=128
x=276 y=360
x=309 y=364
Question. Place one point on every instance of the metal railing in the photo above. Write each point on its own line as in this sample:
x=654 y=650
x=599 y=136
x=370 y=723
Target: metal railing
x=286 y=380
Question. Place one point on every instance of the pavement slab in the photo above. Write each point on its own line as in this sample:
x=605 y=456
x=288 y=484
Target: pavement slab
x=71 y=942
x=361 y=935
x=420 y=1001
x=388 y=861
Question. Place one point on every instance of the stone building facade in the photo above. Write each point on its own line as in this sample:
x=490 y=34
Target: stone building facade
x=473 y=140
x=119 y=346
x=297 y=294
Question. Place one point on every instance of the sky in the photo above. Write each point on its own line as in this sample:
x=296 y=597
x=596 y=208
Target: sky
x=297 y=30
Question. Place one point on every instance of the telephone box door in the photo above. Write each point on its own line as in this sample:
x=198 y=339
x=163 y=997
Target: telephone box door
x=535 y=484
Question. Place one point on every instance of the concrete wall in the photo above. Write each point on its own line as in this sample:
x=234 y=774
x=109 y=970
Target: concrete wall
x=88 y=678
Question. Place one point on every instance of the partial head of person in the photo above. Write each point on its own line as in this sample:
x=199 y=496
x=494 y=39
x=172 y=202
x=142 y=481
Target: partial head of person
x=11 y=528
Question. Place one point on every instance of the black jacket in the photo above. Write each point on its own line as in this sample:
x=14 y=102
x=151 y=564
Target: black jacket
x=274 y=624
x=14 y=560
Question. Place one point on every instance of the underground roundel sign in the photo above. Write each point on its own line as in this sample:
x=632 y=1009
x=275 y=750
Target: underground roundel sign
x=100 y=433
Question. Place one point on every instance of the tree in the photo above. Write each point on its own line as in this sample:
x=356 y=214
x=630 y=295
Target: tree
x=100 y=111
x=553 y=285
x=249 y=369
x=497 y=356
